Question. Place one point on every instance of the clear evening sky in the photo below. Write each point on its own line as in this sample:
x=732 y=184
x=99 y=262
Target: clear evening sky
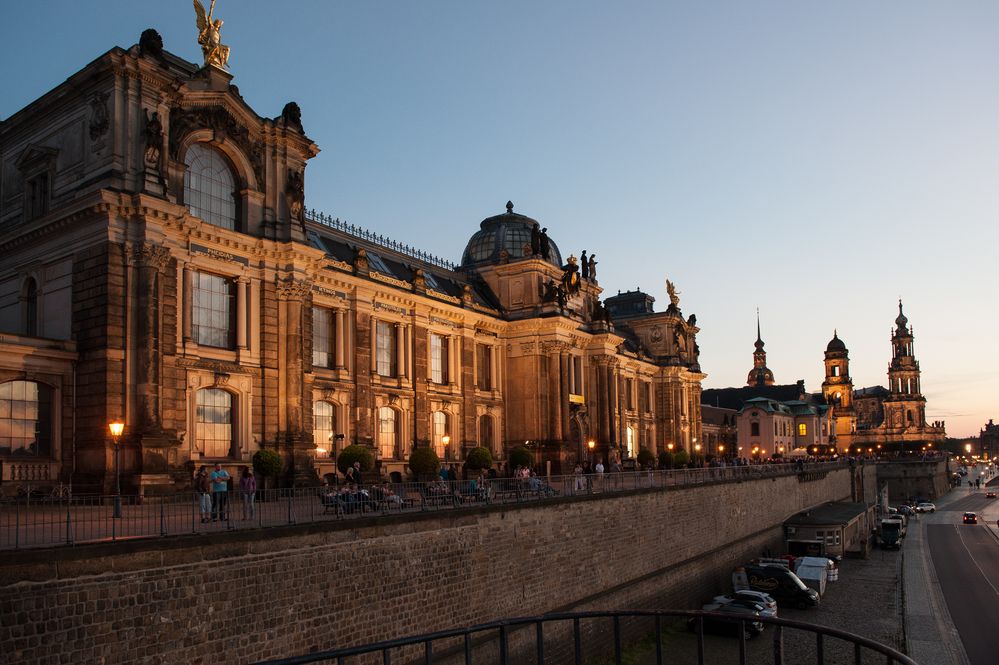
x=817 y=160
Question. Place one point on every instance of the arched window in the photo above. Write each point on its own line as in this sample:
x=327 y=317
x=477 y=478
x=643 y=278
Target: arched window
x=630 y=442
x=30 y=308
x=209 y=186
x=387 y=435
x=486 y=432
x=214 y=422
x=438 y=423
x=324 y=427
x=25 y=418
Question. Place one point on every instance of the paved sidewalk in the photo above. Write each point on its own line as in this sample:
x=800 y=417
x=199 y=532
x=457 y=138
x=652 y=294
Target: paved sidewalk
x=930 y=634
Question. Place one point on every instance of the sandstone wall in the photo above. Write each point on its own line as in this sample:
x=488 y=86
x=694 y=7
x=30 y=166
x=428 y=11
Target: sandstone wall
x=239 y=597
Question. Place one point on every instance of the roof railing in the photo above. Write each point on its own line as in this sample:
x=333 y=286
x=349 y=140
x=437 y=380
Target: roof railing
x=377 y=239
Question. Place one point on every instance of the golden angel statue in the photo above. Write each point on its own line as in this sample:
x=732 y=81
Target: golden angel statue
x=674 y=295
x=210 y=36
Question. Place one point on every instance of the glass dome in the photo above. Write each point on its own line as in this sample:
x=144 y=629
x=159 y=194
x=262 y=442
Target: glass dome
x=511 y=232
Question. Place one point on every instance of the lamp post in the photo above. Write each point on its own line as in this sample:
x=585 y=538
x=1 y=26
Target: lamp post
x=591 y=444
x=446 y=440
x=116 y=428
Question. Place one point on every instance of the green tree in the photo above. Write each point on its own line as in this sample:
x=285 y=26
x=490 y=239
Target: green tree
x=519 y=456
x=355 y=453
x=423 y=461
x=681 y=458
x=645 y=457
x=267 y=463
x=478 y=458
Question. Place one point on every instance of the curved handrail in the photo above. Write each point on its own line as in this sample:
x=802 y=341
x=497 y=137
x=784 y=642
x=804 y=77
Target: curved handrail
x=892 y=656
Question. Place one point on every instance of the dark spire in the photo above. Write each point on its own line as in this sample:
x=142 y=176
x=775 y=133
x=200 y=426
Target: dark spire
x=509 y=207
x=901 y=321
x=759 y=339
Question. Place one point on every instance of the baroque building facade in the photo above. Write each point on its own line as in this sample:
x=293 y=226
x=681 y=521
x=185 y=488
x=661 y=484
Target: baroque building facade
x=160 y=267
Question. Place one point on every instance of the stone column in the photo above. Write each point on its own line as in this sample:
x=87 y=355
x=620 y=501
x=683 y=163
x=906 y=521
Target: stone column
x=149 y=260
x=187 y=303
x=291 y=295
x=400 y=350
x=340 y=334
x=563 y=396
x=241 y=305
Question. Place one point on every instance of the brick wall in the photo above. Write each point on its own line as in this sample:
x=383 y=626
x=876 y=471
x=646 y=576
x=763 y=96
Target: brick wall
x=259 y=594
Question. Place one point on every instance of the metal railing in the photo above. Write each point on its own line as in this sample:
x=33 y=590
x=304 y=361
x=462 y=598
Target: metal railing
x=63 y=520
x=583 y=637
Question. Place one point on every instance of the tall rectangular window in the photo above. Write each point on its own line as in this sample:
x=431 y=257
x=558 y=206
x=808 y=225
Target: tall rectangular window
x=629 y=394
x=754 y=429
x=214 y=311
x=484 y=365
x=385 y=342
x=439 y=359
x=323 y=337
x=802 y=429
x=386 y=432
x=214 y=422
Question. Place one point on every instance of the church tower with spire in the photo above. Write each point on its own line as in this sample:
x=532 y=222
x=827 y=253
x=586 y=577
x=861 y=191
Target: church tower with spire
x=760 y=375
x=837 y=389
x=905 y=406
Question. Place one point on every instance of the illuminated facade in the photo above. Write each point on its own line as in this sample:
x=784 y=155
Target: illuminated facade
x=160 y=267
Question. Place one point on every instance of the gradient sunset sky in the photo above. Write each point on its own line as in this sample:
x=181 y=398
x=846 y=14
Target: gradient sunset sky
x=815 y=160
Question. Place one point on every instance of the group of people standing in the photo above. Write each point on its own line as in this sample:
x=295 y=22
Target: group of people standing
x=213 y=493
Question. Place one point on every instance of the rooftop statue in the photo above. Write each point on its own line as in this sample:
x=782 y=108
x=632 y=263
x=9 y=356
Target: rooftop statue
x=674 y=296
x=210 y=36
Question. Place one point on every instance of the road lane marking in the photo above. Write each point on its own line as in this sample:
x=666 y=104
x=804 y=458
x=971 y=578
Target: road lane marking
x=965 y=546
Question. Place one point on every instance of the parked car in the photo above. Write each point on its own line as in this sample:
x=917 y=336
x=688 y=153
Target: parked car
x=720 y=626
x=970 y=518
x=785 y=587
x=990 y=494
x=906 y=510
x=925 y=507
x=749 y=605
x=764 y=599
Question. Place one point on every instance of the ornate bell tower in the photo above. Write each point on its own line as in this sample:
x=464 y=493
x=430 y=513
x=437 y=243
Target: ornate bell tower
x=838 y=389
x=760 y=375
x=905 y=406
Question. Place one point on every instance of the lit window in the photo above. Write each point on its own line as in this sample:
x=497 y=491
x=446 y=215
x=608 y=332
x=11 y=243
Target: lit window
x=323 y=426
x=439 y=431
x=214 y=422
x=484 y=367
x=385 y=342
x=630 y=443
x=213 y=311
x=802 y=429
x=209 y=189
x=386 y=432
x=323 y=350
x=438 y=358
x=25 y=418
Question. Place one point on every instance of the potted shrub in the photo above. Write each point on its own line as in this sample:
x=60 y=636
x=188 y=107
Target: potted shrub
x=478 y=458
x=519 y=456
x=268 y=465
x=424 y=463
x=645 y=458
x=681 y=458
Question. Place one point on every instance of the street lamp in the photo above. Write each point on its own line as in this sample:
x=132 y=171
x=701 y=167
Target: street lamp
x=116 y=428
x=446 y=441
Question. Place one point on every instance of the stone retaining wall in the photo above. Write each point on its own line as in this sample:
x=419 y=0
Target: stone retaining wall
x=239 y=597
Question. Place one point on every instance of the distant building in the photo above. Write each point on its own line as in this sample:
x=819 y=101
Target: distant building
x=718 y=431
x=988 y=441
x=769 y=428
x=858 y=420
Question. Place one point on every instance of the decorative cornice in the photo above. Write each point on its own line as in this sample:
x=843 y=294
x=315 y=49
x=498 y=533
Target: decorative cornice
x=443 y=296
x=217 y=366
x=290 y=288
x=150 y=255
x=379 y=277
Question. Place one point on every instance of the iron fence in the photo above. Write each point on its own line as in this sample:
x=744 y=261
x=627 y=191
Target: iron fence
x=585 y=637
x=62 y=519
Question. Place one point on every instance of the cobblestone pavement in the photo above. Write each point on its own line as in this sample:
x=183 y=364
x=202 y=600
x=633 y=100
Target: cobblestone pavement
x=866 y=600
